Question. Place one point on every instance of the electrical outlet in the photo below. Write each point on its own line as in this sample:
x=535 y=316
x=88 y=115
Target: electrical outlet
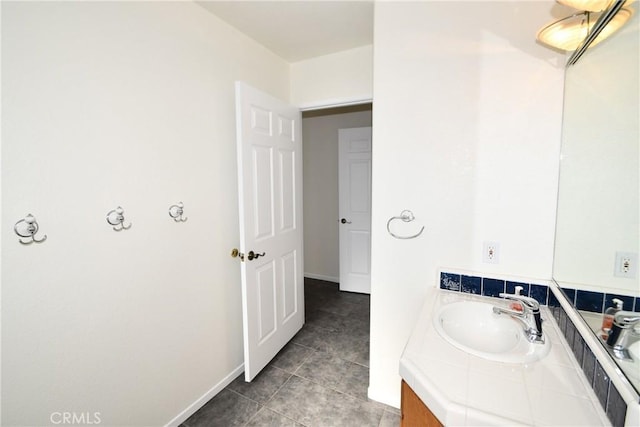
x=626 y=265
x=491 y=252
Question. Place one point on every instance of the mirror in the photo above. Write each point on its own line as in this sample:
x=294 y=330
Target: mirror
x=597 y=231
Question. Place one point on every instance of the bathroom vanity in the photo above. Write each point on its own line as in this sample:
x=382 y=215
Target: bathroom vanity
x=414 y=412
x=454 y=387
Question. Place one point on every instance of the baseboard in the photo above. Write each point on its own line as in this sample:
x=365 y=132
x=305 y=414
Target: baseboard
x=193 y=408
x=322 y=277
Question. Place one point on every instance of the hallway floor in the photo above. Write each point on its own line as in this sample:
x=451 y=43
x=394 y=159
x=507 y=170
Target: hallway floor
x=319 y=379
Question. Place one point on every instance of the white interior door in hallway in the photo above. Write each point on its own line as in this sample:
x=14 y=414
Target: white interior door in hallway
x=269 y=139
x=355 y=209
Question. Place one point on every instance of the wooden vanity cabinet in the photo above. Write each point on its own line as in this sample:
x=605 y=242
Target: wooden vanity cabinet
x=414 y=412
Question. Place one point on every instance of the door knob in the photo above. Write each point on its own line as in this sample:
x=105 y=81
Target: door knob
x=344 y=221
x=236 y=253
x=252 y=255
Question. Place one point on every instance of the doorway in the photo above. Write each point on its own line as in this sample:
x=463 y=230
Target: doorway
x=270 y=151
x=320 y=181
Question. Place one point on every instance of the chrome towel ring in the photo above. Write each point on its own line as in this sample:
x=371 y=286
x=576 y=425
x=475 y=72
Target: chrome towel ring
x=27 y=228
x=405 y=216
x=115 y=218
x=176 y=212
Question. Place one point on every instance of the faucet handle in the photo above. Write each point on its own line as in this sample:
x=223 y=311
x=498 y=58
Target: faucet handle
x=626 y=319
x=528 y=302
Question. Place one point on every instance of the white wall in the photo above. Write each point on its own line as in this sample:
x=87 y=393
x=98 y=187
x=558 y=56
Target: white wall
x=467 y=117
x=340 y=78
x=598 y=209
x=320 y=168
x=131 y=104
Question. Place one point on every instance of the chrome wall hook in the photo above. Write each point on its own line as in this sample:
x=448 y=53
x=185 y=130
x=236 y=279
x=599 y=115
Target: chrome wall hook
x=116 y=219
x=27 y=228
x=176 y=211
x=405 y=216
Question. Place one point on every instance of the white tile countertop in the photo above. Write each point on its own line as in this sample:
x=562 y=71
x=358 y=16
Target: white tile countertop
x=463 y=389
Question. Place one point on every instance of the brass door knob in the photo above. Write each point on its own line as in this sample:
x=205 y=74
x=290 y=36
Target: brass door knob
x=236 y=253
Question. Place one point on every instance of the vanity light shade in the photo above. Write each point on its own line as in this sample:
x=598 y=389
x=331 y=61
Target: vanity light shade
x=568 y=33
x=588 y=5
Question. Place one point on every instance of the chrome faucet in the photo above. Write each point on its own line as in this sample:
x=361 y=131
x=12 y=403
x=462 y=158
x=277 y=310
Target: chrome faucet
x=529 y=316
x=622 y=334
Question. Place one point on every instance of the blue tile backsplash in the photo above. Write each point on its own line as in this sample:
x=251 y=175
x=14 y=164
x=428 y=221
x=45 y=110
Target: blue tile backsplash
x=589 y=301
x=471 y=284
x=598 y=302
x=570 y=294
x=616 y=408
x=589 y=365
x=601 y=384
x=511 y=287
x=608 y=396
x=491 y=287
x=627 y=301
x=449 y=281
x=540 y=293
x=612 y=403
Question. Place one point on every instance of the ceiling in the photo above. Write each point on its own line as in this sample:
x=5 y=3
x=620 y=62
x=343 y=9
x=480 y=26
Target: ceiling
x=300 y=29
x=297 y=30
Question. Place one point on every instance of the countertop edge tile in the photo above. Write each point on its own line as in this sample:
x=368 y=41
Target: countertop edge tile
x=448 y=410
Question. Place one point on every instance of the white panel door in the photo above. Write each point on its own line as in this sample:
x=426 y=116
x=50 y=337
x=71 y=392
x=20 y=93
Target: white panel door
x=269 y=139
x=355 y=209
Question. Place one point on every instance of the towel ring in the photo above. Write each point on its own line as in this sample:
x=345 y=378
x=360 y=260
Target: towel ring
x=405 y=216
x=115 y=218
x=27 y=228
x=176 y=212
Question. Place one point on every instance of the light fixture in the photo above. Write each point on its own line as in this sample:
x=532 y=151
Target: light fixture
x=587 y=5
x=568 y=33
x=614 y=25
x=607 y=17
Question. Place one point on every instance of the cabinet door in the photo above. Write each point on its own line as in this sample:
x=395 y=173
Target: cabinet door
x=414 y=412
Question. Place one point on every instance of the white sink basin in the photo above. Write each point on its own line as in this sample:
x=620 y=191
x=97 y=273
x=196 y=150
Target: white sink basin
x=472 y=326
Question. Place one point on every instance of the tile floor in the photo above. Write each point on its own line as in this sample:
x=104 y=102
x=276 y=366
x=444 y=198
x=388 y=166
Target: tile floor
x=319 y=379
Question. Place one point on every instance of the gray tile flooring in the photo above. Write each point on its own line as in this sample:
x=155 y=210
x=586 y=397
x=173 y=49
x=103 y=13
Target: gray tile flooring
x=319 y=379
